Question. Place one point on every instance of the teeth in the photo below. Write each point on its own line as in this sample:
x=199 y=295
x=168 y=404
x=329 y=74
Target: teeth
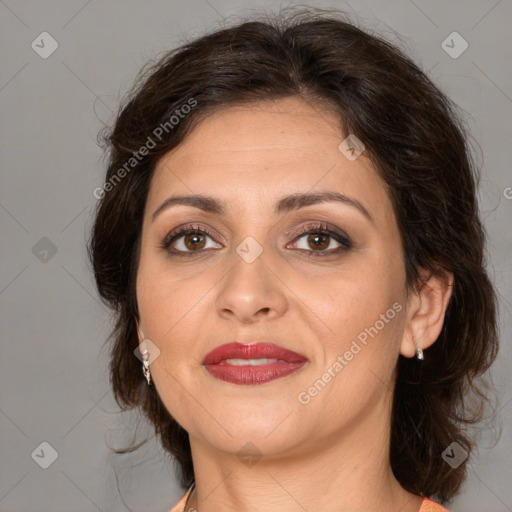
x=252 y=362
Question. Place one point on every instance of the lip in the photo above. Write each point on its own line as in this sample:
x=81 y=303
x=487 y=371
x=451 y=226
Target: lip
x=288 y=363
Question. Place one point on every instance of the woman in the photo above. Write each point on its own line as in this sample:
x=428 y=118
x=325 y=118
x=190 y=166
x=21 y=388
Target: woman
x=289 y=237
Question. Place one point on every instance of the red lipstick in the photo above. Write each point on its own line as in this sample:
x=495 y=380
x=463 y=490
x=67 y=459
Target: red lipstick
x=225 y=363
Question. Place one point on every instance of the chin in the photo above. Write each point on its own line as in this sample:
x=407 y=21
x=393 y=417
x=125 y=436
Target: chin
x=255 y=442
x=270 y=429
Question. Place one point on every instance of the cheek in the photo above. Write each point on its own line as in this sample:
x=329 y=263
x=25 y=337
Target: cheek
x=155 y=300
x=357 y=295
x=161 y=305
x=358 y=307
x=361 y=349
x=173 y=312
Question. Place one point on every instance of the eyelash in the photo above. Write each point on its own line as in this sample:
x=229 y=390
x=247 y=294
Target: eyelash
x=316 y=229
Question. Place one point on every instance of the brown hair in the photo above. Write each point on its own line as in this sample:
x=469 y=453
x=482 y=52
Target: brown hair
x=417 y=143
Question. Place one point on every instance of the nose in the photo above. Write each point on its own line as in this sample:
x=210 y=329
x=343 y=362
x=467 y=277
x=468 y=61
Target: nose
x=251 y=291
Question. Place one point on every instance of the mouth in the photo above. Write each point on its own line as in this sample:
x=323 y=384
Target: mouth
x=252 y=364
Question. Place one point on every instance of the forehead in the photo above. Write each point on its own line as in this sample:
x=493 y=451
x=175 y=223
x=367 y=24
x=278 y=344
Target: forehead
x=249 y=154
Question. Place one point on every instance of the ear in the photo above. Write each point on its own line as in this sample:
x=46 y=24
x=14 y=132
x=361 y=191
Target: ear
x=139 y=332
x=426 y=308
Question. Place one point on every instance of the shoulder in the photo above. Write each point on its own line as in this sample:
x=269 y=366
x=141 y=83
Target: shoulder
x=428 y=505
x=180 y=506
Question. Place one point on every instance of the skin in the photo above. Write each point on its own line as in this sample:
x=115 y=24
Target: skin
x=333 y=452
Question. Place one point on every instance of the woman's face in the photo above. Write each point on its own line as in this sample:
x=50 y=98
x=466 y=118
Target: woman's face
x=262 y=275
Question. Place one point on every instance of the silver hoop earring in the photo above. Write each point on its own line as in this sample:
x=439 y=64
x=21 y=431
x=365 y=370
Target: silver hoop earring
x=145 y=366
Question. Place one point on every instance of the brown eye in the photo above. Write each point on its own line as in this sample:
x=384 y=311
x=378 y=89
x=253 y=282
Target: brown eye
x=194 y=241
x=187 y=240
x=318 y=241
x=319 y=238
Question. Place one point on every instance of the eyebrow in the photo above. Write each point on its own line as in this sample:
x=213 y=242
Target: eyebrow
x=284 y=204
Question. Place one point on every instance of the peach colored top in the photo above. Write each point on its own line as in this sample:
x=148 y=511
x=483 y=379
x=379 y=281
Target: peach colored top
x=427 y=505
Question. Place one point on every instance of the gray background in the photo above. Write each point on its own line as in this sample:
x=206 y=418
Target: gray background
x=53 y=381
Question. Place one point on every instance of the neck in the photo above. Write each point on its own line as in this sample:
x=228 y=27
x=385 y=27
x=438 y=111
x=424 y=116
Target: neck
x=347 y=471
